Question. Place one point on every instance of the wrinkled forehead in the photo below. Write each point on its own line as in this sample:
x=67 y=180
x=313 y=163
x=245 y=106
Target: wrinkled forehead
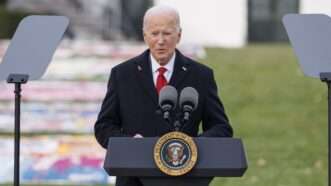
x=161 y=21
x=161 y=15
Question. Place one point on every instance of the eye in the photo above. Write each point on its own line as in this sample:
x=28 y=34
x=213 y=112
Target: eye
x=154 y=33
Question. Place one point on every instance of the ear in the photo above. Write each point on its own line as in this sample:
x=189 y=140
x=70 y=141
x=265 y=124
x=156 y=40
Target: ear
x=144 y=36
x=179 y=35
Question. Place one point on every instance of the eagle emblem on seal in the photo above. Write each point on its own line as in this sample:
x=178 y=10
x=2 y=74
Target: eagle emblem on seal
x=175 y=154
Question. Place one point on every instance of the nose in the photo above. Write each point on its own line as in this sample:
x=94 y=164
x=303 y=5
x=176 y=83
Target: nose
x=160 y=39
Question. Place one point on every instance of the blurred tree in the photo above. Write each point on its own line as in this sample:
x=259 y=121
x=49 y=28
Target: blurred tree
x=264 y=19
x=99 y=19
x=9 y=20
x=132 y=18
x=3 y=2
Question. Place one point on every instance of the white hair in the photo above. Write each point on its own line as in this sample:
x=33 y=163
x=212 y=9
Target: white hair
x=162 y=9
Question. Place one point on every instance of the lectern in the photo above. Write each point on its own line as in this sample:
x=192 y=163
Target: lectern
x=222 y=157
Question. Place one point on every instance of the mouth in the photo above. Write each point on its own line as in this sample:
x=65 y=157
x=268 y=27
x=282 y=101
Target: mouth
x=161 y=50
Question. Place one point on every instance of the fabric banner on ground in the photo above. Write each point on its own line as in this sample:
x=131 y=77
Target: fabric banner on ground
x=56 y=91
x=56 y=159
x=51 y=117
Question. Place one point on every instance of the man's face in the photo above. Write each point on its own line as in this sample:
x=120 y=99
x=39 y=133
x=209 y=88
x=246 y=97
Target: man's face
x=161 y=35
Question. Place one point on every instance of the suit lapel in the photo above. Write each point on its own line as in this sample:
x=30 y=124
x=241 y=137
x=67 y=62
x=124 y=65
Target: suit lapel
x=145 y=76
x=181 y=69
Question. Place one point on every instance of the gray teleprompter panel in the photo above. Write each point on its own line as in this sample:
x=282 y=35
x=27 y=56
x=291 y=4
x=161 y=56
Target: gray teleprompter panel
x=33 y=45
x=310 y=36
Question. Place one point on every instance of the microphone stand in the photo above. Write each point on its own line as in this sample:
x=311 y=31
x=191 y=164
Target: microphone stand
x=177 y=125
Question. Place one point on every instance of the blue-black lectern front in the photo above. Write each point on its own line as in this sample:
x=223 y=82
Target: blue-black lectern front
x=222 y=157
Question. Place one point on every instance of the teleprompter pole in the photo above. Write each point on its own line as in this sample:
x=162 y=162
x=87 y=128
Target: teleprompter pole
x=326 y=77
x=18 y=80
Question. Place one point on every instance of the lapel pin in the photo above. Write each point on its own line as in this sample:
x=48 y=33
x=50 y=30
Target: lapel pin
x=184 y=68
x=139 y=68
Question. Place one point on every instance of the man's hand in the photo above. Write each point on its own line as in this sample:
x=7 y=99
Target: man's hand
x=138 y=136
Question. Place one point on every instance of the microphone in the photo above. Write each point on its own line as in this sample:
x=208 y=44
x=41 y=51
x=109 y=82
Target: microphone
x=167 y=100
x=188 y=101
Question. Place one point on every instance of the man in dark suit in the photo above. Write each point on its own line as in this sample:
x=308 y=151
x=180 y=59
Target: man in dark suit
x=130 y=107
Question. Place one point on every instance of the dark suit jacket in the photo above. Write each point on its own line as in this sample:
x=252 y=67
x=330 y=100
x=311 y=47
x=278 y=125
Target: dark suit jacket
x=131 y=102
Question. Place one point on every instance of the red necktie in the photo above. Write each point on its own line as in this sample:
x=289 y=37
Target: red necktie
x=161 y=81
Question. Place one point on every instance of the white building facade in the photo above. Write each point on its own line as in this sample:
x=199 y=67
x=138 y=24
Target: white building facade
x=217 y=23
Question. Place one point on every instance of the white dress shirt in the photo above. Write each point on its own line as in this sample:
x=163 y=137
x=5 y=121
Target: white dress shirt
x=169 y=66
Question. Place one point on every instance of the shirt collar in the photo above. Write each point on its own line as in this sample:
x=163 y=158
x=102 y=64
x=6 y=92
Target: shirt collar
x=169 y=66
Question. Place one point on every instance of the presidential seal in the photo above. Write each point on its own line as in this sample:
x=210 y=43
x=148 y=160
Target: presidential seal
x=175 y=153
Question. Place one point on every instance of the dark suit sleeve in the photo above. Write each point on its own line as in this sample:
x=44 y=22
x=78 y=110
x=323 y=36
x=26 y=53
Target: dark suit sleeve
x=108 y=123
x=215 y=123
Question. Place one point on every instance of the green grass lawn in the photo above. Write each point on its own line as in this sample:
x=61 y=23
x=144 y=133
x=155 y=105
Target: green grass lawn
x=280 y=115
